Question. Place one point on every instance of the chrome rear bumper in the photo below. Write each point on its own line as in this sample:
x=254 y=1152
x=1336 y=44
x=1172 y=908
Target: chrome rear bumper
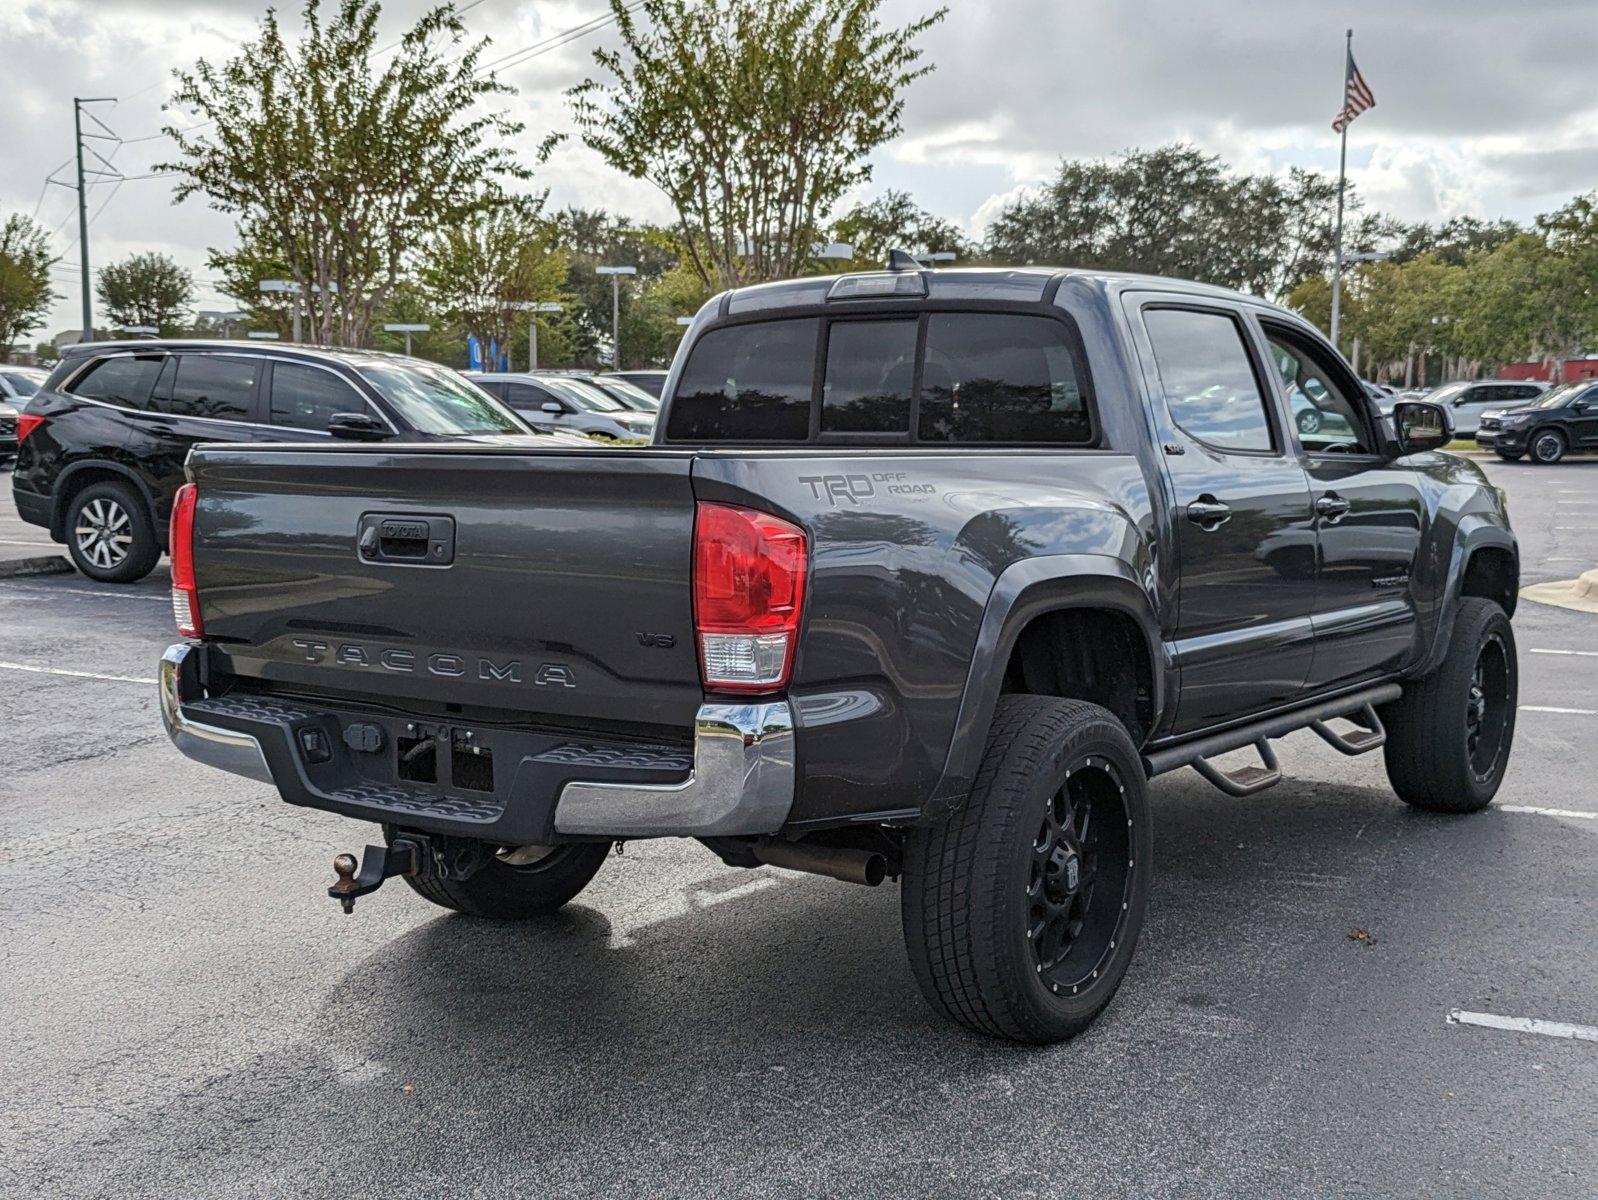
x=741 y=783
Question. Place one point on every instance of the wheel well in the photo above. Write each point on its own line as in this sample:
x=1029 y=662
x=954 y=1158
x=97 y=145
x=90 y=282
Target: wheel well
x=1490 y=574
x=1093 y=654
x=82 y=478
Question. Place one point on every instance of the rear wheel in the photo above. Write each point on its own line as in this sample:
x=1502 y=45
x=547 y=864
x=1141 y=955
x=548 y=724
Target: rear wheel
x=1548 y=446
x=111 y=534
x=517 y=882
x=1449 y=735
x=1021 y=911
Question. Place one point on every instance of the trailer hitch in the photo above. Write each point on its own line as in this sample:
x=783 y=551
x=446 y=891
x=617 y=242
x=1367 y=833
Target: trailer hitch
x=379 y=863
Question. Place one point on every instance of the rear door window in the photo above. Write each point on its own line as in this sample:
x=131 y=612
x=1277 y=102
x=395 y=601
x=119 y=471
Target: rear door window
x=1001 y=377
x=219 y=387
x=1208 y=378
x=305 y=397
x=748 y=383
x=125 y=379
x=524 y=397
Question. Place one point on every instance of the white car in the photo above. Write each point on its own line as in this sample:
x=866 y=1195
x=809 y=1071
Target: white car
x=548 y=401
x=17 y=386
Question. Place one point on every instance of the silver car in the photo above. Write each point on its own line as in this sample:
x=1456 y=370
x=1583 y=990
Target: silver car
x=17 y=385
x=563 y=402
x=1467 y=399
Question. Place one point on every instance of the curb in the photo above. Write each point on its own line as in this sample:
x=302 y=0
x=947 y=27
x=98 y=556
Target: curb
x=49 y=564
x=1580 y=594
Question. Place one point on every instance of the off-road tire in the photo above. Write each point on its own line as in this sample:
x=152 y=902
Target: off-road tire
x=1547 y=447
x=1429 y=749
x=122 y=502
x=968 y=897
x=499 y=892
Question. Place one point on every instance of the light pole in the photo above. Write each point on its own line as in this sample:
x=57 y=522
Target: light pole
x=262 y=335
x=407 y=330
x=940 y=256
x=289 y=286
x=533 y=308
x=139 y=330
x=226 y=318
x=615 y=274
x=1337 y=293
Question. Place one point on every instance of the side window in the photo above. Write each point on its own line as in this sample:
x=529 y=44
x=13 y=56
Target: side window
x=1328 y=420
x=125 y=379
x=1524 y=393
x=871 y=373
x=218 y=386
x=524 y=397
x=305 y=397
x=1000 y=377
x=748 y=383
x=1208 y=380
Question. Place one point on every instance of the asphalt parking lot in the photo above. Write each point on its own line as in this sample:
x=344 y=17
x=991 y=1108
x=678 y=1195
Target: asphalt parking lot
x=186 y=1013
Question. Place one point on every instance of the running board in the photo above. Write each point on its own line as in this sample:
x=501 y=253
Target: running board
x=1359 y=707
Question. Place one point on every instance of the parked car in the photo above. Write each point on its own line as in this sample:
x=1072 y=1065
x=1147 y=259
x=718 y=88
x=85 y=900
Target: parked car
x=924 y=576
x=653 y=382
x=104 y=441
x=553 y=401
x=17 y=386
x=629 y=395
x=1466 y=400
x=1559 y=421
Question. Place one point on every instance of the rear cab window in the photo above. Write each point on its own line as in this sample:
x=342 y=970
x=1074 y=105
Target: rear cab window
x=929 y=378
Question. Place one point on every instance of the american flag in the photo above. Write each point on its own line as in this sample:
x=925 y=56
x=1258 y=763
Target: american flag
x=1357 y=97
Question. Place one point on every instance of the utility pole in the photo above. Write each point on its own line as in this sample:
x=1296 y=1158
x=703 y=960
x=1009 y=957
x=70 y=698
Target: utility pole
x=615 y=274
x=83 y=209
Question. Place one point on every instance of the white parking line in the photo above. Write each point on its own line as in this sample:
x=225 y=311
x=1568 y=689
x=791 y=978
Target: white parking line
x=11 y=666
x=1558 y=1029
x=1575 y=653
x=1548 y=812
x=59 y=591
x=1573 y=712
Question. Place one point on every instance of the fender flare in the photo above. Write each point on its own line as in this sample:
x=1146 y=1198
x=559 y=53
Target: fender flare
x=1476 y=531
x=58 y=503
x=1026 y=590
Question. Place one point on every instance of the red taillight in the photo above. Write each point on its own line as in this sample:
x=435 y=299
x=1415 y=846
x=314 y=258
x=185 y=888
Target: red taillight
x=26 y=424
x=185 y=593
x=749 y=590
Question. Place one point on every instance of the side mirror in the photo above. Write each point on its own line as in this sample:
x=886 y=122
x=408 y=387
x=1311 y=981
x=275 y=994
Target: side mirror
x=551 y=408
x=357 y=427
x=1421 y=425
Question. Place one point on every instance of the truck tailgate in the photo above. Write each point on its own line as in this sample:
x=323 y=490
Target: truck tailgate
x=551 y=583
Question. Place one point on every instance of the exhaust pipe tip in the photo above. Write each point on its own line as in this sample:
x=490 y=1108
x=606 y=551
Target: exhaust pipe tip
x=866 y=867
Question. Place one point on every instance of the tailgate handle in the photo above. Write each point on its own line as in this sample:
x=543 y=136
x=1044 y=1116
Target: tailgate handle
x=406 y=539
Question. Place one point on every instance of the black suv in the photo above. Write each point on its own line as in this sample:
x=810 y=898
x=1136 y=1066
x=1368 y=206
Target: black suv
x=104 y=441
x=1548 y=427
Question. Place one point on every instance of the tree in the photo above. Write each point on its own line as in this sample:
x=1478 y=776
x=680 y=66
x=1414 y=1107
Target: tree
x=146 y=289
x=1527 y=299
x=593 y=238
x=753 y=116
x=241 y=271
x=1177 y=211
x=25 y=291
x=893 y=221
x=503 y=256
x=341 y=168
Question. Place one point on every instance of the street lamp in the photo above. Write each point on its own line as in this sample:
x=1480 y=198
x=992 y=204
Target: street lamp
x=615 y=274
x=289 y=286
x=939 y=256
x=262 y=335
x=534 y=307
x=147 y=330
x=226 y=318
x=407 y=330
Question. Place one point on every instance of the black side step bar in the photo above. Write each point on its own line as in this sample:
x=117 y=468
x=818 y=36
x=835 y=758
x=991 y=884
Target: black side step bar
x=1357 y=706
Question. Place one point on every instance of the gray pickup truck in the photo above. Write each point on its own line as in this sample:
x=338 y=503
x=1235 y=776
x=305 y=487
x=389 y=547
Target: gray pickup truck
x=925 y=576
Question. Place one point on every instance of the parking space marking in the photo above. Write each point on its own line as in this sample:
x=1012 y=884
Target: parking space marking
x=11 y=666
x=1573 y=653
x=1548 y=812
x=1573 y=712
x=65 y=591
x=1558 y=1029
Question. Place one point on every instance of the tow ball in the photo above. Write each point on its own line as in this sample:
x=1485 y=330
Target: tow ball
x=378 y=864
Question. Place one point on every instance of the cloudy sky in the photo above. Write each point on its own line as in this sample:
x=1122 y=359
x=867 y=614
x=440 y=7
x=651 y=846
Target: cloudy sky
x=1482 y=108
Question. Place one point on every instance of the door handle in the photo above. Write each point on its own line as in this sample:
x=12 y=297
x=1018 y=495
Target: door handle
x=1208 y=513
x=1332 y=506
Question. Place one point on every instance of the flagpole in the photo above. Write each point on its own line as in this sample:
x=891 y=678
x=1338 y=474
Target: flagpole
x=1342 y=173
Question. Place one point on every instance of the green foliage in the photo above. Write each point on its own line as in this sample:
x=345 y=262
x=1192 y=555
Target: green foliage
x=893 y=221
x=473 y=270
x=1175 y=211
x=25 y=290
x=753 y=116
x=340 y=167
x=146 y=289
